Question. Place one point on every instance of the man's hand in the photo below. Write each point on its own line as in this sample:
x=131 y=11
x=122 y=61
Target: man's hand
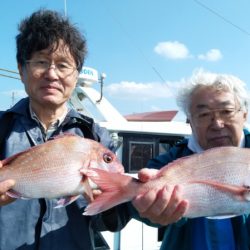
x=163 y=205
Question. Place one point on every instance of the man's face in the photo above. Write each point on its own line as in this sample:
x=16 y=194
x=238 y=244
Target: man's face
x=49 y=77
x=216 y=118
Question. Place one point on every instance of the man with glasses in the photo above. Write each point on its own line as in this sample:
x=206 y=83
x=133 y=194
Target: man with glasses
x=50 y=55
x=216 y=106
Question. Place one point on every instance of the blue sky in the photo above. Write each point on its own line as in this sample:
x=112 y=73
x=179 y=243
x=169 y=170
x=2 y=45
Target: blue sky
x=146 y=48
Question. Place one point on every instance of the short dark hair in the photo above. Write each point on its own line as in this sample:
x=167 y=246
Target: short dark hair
x=44 y=29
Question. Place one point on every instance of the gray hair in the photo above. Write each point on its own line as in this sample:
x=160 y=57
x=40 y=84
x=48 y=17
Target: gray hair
x=217 y=81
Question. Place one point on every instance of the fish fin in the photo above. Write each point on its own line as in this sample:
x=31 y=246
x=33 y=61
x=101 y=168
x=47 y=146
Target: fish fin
x=102 y=203
x=13 y=157
x=241 y=191
x=14 y=194
x=63 y=135
x=88 y=194
x=65 y=201
x=246 y=193
x=220 y=217
x=111 y=185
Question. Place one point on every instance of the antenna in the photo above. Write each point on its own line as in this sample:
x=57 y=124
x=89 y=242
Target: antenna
x=101 y=80
x=65 y=8
x=13 y=98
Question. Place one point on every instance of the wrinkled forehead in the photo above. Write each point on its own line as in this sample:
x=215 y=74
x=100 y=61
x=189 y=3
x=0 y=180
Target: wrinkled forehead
x=213 y=98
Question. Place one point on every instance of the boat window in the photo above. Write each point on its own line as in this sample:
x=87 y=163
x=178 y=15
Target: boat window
x=137 y=149
x=139 y=154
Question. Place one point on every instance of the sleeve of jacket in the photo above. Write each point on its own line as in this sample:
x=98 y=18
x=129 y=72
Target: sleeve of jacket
x=112 y=220
x=104 y=136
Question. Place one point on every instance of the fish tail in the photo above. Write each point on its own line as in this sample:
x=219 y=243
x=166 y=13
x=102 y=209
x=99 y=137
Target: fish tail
x=112 y=187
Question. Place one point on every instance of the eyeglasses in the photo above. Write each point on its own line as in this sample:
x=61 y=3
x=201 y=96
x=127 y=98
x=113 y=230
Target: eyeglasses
x=62 y=69
x=206 y=116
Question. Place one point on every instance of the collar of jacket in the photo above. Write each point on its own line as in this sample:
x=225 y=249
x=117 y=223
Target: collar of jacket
x=22 y=108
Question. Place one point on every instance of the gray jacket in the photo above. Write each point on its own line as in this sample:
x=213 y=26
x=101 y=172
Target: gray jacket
x=36 y=224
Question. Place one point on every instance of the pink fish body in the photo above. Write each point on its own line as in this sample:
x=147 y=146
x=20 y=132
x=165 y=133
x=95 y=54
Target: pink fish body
x=52 y=169
x=215 y=182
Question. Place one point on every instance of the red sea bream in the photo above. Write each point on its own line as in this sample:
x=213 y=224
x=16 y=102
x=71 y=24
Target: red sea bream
x=53 y=169
x=215 y=182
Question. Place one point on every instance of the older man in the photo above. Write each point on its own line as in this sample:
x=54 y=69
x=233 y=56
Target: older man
x=216 y=106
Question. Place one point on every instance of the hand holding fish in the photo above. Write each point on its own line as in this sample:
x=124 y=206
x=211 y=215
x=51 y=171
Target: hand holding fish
x=160 y=205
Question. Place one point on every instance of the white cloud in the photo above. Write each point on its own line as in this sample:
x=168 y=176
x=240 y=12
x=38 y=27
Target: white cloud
x=177 y=50
x=141 y=91
x=212 y=55
x=172 y=50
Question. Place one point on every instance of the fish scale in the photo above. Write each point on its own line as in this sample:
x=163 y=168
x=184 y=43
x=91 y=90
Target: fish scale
x=52 y=169
x=215 y=182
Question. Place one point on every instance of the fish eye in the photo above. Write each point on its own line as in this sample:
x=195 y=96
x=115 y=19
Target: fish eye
x=107 y=158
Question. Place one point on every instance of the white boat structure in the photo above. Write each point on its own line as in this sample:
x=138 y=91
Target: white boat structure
x=138 y=138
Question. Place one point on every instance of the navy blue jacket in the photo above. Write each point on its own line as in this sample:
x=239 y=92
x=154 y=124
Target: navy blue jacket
x=34 y=224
